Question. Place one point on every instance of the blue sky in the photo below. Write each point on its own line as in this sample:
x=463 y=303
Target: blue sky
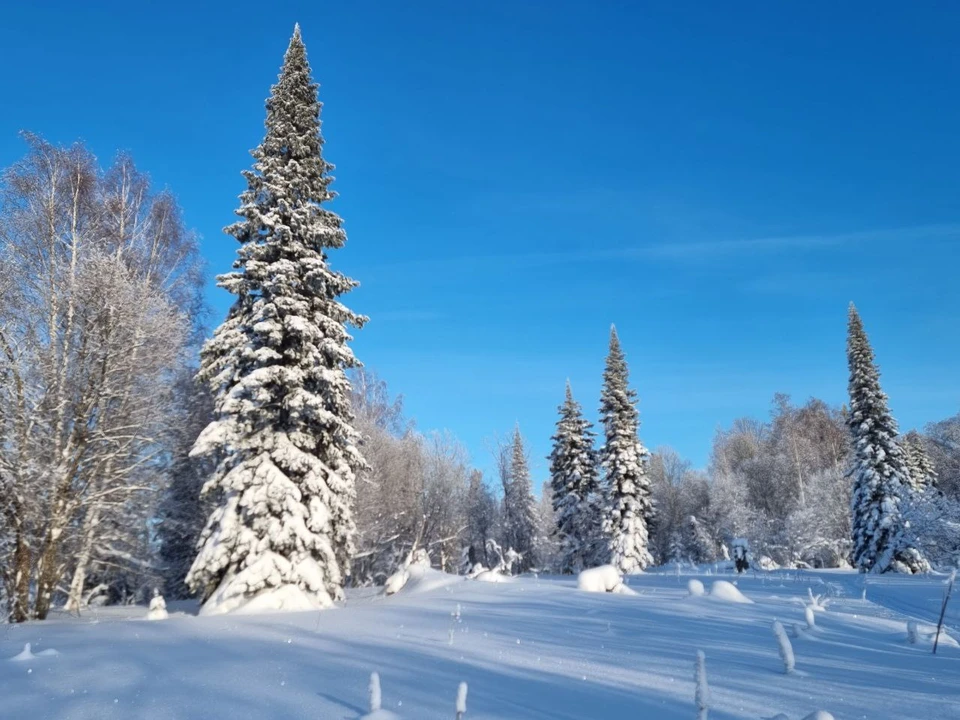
x=718 y=179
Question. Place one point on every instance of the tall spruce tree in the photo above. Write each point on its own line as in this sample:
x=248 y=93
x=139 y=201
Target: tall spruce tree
x=575 y=488
x=878 y=470
x=520 y=507
x=623 y=458
x=283 y=438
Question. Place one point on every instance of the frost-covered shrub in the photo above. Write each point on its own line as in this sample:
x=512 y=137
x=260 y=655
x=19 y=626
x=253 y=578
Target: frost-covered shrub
x=158 y=607
x=741 y=551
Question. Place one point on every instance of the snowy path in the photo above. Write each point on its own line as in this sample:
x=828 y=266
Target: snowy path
x=530 y=650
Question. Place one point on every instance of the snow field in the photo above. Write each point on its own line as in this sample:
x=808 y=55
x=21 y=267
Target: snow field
x=529 y=649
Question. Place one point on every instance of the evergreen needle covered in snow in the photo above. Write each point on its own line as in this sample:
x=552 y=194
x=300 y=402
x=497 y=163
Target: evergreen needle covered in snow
x=282 y=435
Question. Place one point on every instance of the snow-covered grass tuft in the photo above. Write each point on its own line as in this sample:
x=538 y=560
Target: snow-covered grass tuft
x=702 y=693
x=784 y=646
x=376 y=702
x=695 y=588
x=817 y=602
x=461 y=700
x=375 y=697
x=28 y=654
x=727 y=592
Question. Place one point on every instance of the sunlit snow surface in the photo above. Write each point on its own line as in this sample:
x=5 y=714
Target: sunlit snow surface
x=532 y=649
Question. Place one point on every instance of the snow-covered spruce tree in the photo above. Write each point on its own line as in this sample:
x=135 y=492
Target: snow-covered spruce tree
x=919 y=466
x=575 y=487
x=623 y=459
x=880 y=480
x=283 y=437
x=519 y=506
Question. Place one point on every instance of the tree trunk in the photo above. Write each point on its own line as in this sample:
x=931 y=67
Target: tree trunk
x=90 y=523
x=20 y=600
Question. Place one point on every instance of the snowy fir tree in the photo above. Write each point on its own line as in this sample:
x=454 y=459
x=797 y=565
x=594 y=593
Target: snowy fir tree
x=575 y=488
x=878 y=470
x=519 y=506
x=623 y=459
x=920 y=468
x=282 y=433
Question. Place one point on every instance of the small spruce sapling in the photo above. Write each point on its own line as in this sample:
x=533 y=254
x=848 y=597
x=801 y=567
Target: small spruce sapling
x=461 y=701
x=702 y=695
x=784 y=646
x=158 y=607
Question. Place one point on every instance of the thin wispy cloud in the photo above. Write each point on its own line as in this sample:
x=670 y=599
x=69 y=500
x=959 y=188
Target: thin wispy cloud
x=681 y=251
x=713 y=248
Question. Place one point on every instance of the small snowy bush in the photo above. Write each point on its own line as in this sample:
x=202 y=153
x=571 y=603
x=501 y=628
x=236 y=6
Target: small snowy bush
x=741 y=551
x=784 y=646
x=158 y=607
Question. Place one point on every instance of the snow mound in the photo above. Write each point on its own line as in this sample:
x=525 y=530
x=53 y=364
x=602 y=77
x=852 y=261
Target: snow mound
x=695 y=588
x=28 y=654
x=603 y=579
x=819 y=715
x=380 y=715
x=727 y=592
x=287 y=598
x=422 y=579
x=395 y=582
x=492 y=576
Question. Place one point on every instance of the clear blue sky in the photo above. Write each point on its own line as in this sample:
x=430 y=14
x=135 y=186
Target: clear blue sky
x=718 y=179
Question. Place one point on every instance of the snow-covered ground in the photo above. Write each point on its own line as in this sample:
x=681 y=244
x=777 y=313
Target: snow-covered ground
x=530 y=649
